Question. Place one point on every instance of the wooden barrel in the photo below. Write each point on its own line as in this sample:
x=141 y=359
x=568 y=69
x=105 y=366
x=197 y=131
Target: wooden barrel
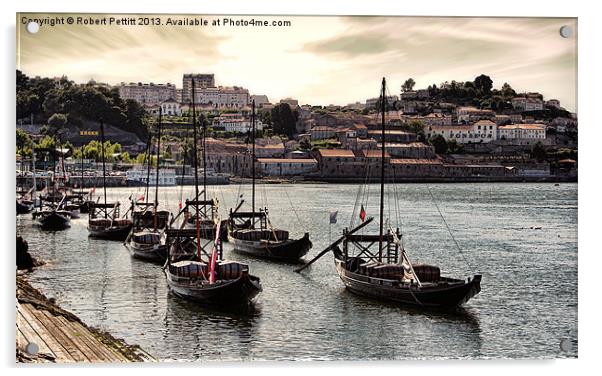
x=427 y=273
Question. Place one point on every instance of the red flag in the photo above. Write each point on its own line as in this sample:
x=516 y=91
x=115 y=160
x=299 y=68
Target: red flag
x=362 y=214
x=141 y=198
x=180 y=204
x=214 y=255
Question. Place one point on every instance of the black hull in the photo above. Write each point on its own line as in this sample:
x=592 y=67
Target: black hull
x=441 y=295
x=23 y=208
x=113 y=233
x=239 y=292
x=54 y=221
x=148 y=252
x=287 y=251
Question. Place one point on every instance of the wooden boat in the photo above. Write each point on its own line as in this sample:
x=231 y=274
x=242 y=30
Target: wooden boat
x=52 y=217
x=252 y=233
x=24 y=206
x=104 y=221
x=387 y=273
x=189 y=276
x=195 y=269
x=147 y=240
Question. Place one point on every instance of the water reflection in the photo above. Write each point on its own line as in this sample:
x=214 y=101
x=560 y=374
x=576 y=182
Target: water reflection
x=228 y=333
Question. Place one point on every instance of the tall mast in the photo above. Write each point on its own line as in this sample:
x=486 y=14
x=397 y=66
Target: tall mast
x=253 y=160
x=196 y=177
x=158 y=159
x=194 y=153
x=104 y=172
x=35 y=186
x=81 y=182
x=148 y=159
x=383 y=98
x=203 y=146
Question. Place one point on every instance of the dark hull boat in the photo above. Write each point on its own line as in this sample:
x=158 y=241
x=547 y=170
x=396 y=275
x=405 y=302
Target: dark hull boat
x=443 y=293
x=24 y=207
x=107 y=229
x=376 y=265
x=187 y=279
x=267 y=246
x=252 y=233
x=53 y=219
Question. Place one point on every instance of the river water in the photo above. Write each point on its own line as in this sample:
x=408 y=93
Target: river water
x=521 y=237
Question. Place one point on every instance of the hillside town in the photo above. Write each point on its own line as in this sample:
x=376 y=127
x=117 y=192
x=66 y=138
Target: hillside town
x=456 y=131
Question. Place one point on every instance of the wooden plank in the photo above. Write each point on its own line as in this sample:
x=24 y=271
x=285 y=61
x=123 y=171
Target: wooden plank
x=110 y=355
x=45 y=318
x=31 y=335
x=59 y=351
x=66 y=327
x=21 y=340
x=93 y=349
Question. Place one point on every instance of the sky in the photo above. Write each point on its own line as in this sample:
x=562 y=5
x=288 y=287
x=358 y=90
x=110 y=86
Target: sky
x=317 y=60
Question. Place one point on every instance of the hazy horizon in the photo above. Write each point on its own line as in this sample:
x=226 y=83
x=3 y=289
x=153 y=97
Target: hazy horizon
x=318 y=60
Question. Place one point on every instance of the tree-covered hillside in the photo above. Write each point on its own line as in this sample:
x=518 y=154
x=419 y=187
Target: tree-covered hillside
x=60 y=102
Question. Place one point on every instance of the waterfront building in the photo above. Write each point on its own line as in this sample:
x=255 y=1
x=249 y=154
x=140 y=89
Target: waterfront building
x=269 y=150
x=412 y=150
x=417 y=167
x=286 y=166
x=138 y=177
x=147 y=94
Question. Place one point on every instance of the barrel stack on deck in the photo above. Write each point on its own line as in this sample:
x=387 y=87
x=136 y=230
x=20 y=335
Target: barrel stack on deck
x=61 y=337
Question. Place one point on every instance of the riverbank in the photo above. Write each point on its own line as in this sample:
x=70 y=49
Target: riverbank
x=467 y=179
x=47 y=333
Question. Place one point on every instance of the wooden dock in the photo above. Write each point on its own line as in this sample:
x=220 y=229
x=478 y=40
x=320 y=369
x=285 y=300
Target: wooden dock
x=61 y=337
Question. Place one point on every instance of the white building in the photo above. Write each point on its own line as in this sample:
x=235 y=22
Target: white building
x=222 y=97
x=171 y=108
x=481 y=131
x=527 y=103
x=293 y=103
x=553 y=103
x=135 y=177
x=522 y=132
x=260 y=100
x=147 y=94
x=236 y=123
x=372 y=102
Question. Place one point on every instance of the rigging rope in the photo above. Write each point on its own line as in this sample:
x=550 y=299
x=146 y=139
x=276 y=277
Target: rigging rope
x=293 y=207
x=449 y=229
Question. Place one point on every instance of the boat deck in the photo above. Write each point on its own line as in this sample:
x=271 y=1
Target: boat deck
x=62 y=338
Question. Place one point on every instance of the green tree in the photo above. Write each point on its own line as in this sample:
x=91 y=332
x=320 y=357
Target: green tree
x=283 y=120
x=538 y=151
x=57 y=121
x=438 y=141
x=507 y=91
x=408 y=85
x=23 y=143
x=483 y=84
